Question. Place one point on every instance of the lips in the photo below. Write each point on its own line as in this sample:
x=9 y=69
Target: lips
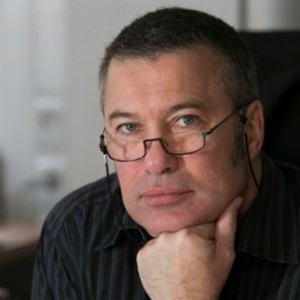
x=163 y=196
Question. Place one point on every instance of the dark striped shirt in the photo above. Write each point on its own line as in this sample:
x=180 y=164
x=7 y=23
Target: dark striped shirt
x=85 y=252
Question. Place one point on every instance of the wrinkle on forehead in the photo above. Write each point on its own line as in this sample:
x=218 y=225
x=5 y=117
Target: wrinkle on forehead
x=185 y=104
x=131 y=81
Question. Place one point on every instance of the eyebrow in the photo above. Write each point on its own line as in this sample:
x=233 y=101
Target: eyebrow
x=191 y=103
x=121 y=114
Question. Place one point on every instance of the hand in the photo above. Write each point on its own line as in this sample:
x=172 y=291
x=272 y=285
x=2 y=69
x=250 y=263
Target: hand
x=192 y=263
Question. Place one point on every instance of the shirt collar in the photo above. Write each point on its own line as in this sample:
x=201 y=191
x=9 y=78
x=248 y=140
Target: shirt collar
x=117 y=232
x=270 y=228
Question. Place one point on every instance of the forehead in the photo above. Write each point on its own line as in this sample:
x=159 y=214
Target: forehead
x=169 y=78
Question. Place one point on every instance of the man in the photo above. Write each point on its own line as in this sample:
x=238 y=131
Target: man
x=194 y=211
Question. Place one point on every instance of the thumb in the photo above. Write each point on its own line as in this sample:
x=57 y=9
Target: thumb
x=226 y=225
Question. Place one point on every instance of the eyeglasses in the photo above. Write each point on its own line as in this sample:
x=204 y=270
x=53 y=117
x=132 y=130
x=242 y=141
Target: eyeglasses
x=182 y=143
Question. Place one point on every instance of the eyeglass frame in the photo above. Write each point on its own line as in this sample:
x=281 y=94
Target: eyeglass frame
x=238 y=109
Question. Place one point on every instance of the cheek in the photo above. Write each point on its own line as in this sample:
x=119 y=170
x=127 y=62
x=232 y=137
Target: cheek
x=128 y=175
x=205 y=164
x=216 y=172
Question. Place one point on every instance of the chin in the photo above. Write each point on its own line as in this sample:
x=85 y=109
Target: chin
x=155 y=227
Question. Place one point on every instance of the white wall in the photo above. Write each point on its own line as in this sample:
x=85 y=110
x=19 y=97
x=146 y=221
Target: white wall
x=32 y=60
x=272 y=14
x=15 y=111
x=50 y=116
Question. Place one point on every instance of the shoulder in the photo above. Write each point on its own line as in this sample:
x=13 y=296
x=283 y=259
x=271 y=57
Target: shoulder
x=281 y=173
x=284 y=185
x=78 y=206
x=291 y=176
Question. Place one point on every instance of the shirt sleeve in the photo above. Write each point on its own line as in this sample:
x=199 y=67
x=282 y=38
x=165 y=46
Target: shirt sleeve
x=52 y=276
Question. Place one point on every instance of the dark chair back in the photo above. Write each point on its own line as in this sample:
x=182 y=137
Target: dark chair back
x=277 y=56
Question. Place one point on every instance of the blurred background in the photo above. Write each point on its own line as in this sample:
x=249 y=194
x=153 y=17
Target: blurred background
x=50 y=117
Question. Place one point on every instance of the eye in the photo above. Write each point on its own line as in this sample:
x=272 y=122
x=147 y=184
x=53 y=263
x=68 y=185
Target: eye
x=127 y=129
x=187 y=121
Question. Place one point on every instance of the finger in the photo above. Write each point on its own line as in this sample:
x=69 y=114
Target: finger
x=226 y=225
x=206 y=231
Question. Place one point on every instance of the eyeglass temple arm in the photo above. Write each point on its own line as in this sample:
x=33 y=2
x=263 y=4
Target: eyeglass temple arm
x=239 y=110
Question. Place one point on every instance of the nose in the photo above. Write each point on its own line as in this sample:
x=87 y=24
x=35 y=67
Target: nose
x=157 y=160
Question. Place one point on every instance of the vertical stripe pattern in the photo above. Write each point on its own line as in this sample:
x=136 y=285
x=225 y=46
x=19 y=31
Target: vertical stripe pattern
x=84 y=253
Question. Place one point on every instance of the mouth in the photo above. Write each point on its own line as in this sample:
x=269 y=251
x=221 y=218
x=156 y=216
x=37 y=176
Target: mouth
x=165 y=196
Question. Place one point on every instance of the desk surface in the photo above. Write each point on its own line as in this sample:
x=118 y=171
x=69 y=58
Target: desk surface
x=17 y=239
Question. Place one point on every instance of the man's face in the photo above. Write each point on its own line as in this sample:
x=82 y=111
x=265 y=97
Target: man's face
x=152 y=98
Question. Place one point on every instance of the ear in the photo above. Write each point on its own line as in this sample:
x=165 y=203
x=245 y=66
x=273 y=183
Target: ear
x=254 y=128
